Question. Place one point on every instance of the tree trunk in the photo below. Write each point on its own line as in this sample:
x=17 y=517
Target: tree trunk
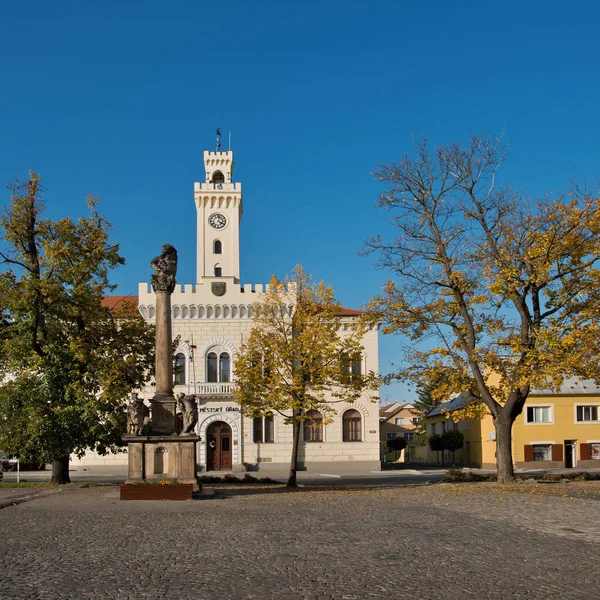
x=504 y=462
x=60 y=470
x=295 y=445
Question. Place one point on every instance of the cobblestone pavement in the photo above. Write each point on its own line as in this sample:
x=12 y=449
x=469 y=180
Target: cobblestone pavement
x=445 y=541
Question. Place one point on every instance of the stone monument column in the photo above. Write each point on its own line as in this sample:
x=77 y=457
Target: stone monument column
x=164 y=421
x=159 y=453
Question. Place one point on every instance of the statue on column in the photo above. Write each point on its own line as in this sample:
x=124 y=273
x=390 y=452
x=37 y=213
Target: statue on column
x=165 y=266
x=187 y=405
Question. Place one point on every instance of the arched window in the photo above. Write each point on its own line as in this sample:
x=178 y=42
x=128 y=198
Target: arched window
x=224 y=367
x=218 y=177
x=218 y=367
x=313 y=426
x=218 y=247
x=352 y=426
x=179 y=369
x=212 y=369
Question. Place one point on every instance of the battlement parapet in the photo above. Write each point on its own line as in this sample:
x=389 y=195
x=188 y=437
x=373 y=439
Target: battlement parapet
x=221 y=155
x=189 y=301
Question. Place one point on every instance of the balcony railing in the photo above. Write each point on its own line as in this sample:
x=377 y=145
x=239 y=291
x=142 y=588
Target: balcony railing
x=212 y=389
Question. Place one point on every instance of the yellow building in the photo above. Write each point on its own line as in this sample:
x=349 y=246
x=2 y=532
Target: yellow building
x=398 y=420
x=479 y=447
x=559 y=429
x=556 y=430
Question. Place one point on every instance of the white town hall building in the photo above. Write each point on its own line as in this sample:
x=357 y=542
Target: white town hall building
x=211 y=319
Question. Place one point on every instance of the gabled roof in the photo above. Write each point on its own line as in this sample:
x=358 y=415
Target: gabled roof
x=571 y=386
x=460 y=401
x=389 y=410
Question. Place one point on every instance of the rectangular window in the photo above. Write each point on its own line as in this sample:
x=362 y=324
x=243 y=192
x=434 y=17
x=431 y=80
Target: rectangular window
x=399 y=421
x=391 y=436
x=257 y=429
x=263 y=429
x=542 y=452
x=595 y=451
x=539 y=414
x=409 y=436
x=269 y=429
x=351 y=367
x=587 y=413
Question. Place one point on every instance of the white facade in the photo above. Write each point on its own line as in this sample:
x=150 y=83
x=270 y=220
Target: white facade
x=212 y=318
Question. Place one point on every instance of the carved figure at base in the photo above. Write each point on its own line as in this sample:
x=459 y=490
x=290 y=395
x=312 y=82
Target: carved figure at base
x=137 y=414
x=189 y=409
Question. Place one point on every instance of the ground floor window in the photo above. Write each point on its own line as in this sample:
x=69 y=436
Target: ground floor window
x=313 y=426
x=391 y=436
x=352 y=426
x=542 y=452
x=595 y=451
x=409 y=436
x=263 y=429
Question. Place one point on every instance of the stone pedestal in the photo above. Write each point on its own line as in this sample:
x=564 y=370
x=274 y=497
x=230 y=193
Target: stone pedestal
x=162 y=457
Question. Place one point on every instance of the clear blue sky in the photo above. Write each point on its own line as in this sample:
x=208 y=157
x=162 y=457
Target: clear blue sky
x=119 y=98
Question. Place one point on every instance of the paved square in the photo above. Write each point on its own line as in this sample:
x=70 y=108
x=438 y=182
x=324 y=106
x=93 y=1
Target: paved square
x=444 y=541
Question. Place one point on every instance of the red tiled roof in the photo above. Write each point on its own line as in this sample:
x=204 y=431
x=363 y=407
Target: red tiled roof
x=112 y=302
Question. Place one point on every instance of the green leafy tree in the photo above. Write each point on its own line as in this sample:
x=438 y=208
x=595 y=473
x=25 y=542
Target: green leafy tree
x=397 y=444
x=452 y=441
x=436 y=444
x=424 y=404
x=66 y=361
x=295 y=359
x=497 y=293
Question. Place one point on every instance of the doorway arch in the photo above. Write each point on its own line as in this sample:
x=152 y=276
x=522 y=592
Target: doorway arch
x=219 y=453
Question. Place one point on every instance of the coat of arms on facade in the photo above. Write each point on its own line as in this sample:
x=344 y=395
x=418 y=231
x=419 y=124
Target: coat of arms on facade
x=218 y=288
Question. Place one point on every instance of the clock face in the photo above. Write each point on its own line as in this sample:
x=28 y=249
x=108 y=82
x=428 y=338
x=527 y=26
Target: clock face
x=217 y=221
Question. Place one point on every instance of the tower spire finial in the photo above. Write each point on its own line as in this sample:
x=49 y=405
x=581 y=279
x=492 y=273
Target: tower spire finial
x=218 y=139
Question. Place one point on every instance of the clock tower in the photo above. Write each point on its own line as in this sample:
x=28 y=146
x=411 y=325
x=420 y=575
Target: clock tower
x=219 y=212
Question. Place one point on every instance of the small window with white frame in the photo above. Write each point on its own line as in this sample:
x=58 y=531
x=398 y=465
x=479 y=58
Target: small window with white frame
x=391 y=436
x=399 y=421
x=587 y=413
x=538 y=414
x=409 y=436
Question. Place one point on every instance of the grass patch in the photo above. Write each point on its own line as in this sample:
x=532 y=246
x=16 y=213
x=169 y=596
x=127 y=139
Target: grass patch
x=458 y=476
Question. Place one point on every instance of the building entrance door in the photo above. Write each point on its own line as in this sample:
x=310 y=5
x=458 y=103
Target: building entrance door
x=218 y=447
x=570 y=453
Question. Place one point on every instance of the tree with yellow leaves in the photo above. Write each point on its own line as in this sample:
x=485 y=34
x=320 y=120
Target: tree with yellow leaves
x=497 y=293
x=296 y=360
